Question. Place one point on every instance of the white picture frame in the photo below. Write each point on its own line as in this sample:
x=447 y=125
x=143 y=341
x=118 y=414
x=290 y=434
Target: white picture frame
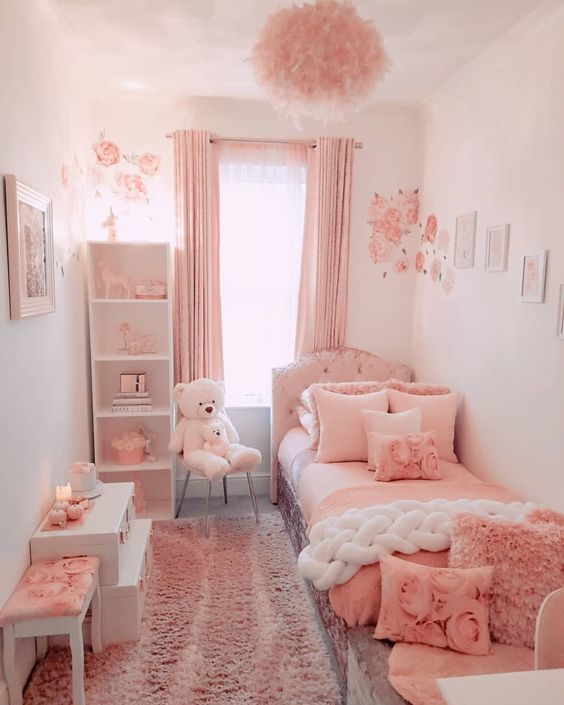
x=560 y=326
x=533 y=277
x=497 y=241
x=465 y=240
x=29 y=223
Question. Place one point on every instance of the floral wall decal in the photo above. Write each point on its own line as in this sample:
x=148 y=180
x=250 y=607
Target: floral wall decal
x=432 y=255
x=127 y=182
x=391 y=220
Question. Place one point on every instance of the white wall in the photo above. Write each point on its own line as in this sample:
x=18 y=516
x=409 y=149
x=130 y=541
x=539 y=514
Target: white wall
x=44 y=418
x=494 y=143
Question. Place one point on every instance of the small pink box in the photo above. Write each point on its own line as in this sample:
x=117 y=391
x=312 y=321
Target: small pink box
x=130 y=457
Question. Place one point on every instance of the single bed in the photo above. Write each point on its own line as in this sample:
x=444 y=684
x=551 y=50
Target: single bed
x=307 y=491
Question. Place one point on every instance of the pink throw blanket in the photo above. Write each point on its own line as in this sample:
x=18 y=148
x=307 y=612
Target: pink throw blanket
x=358 y=600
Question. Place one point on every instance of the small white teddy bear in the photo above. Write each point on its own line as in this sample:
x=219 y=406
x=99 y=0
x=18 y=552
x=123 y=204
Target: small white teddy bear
x=216 y=440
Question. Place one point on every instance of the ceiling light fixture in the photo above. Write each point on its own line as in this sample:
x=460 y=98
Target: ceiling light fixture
x=319 y=59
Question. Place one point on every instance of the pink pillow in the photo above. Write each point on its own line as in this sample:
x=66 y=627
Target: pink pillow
x=408 y=457
x=304 y=417
x=342 y=436
x=307 y=397
x=392 y=424
x=529 y=564
x=438 y=414
x=435 y=606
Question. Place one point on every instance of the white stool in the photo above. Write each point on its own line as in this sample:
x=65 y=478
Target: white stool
x=52 y=598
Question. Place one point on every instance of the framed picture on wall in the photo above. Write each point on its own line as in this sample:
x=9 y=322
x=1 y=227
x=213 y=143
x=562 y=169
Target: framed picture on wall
x=465 y=240
x=560 y=328
x=533 y=277
x=30 y=250
x=497 y=240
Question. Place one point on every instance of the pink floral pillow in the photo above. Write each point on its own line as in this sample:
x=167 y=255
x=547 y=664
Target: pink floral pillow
x=436 y=606
x=403 y=457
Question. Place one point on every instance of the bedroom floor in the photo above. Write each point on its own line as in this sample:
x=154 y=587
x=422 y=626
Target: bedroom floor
x=238 y=505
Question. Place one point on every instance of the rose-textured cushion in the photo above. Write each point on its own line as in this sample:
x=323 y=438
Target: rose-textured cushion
x=529 y=564
x=342 y=437
x=392 y=424
x=438 y=414
x=436 y=606
x=403 y=457
x=307 y=397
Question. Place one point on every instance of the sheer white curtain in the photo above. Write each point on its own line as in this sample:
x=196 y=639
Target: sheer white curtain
x=262 y=200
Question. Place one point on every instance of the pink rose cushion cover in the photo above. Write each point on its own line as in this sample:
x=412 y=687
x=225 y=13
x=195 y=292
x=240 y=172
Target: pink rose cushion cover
x=436 y=606
x=403 y=457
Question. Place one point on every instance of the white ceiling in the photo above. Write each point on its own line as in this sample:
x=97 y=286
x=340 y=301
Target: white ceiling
x=183 y=48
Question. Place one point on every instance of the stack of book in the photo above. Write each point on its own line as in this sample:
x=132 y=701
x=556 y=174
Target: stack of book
x=132 y=402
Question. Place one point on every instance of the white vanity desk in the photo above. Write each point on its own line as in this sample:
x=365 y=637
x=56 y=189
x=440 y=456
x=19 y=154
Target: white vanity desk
x=544 y=687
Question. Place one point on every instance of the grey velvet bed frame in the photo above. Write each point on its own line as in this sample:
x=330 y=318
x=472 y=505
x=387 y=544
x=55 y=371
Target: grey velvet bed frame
x=361 y=663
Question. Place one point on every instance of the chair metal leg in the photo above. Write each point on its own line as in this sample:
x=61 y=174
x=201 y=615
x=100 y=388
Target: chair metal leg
x=179 y=505
x=225 y=488
x=252 y=493
x=207 y=517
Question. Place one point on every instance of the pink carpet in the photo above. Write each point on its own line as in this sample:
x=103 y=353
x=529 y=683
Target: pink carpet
x=227 y=622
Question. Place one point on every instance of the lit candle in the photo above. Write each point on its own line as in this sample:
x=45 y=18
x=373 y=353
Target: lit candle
x=63 y=492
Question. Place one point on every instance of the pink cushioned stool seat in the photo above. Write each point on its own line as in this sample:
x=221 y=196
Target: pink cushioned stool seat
x=49 y=589
x=52 y=598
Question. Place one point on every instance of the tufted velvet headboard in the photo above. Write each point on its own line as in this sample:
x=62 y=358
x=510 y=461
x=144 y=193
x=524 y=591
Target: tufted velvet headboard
x=340 y=365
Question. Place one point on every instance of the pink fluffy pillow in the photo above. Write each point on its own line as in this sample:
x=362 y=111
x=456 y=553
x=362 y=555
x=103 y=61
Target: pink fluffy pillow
x=342 y=437
x=403 y=457
x=435 y=606
x=307 y=397
x=438 y=414
x=529 y=564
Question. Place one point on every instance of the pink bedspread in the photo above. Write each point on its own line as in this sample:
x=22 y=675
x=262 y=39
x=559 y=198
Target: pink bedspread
x=358 y=600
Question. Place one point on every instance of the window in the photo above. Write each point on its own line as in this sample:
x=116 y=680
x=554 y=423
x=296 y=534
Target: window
x=262 y=200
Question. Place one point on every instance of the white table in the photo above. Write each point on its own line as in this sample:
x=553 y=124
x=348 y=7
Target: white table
x=522 y=688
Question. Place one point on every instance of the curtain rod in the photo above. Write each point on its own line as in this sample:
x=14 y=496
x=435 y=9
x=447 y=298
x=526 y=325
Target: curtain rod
x=308 y=143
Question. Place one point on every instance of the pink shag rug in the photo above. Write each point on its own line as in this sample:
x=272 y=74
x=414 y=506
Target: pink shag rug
x=227 y=622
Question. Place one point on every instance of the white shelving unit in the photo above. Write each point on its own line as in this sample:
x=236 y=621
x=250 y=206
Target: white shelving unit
x=137 y=261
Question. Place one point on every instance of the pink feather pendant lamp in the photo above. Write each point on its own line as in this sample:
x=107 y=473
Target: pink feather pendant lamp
x=319 y=59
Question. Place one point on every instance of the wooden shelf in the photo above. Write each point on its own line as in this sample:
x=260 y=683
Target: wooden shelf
x=130 y=358
x=129 y=301
x=107 y=413
x=108 y=466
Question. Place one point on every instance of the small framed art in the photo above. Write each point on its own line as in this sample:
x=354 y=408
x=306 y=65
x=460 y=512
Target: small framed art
x=465 y=240
x=560 y=327
x=533 y=277
x=497 y=240
x=30 y=250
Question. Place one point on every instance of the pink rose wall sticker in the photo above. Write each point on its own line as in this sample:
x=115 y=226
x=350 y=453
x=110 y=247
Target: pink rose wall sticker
x=125 y=183
x=431 y=258
x=391 y=220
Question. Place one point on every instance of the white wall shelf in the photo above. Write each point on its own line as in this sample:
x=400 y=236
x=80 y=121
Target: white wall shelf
x=137 y=261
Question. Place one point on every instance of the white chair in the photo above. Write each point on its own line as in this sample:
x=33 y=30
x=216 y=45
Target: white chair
x=549 y=633
x=52 y=598
x=190 y=471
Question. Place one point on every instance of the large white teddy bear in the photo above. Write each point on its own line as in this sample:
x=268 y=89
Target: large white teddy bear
x=200 y=402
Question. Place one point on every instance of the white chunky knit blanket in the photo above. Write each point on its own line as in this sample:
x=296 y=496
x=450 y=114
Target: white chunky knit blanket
x=340 y=546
